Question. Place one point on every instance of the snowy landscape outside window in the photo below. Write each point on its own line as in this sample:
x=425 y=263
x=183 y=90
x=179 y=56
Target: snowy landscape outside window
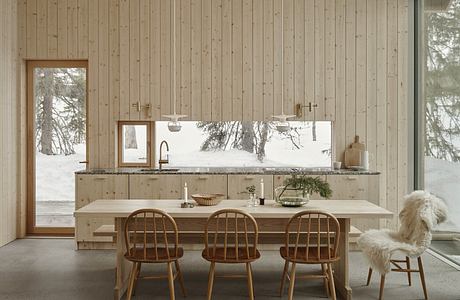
x=247 y=144
x=134 y=144
x=59 y=120
x=442 y=119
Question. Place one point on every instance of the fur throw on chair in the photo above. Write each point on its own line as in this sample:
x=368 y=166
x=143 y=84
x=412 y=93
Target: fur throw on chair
x=422 y=211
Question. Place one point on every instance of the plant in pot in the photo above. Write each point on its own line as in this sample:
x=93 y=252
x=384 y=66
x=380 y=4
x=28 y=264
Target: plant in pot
x=297 y=189
x=251 y=190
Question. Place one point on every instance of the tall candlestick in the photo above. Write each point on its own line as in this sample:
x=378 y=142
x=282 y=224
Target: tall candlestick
x=262 y=188
x=185 y=193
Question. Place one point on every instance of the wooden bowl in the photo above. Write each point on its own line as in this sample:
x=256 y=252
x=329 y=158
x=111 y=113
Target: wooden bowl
x=208 y=199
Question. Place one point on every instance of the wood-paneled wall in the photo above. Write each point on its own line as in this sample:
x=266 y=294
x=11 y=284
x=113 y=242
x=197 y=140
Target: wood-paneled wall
x=8 y=121
x=348 y=56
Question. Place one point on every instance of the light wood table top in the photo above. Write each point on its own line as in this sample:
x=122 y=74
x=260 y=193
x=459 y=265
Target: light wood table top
x=339 y=208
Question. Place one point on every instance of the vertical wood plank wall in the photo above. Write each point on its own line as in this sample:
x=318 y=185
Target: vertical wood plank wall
x=8 y=121
x=348 y=56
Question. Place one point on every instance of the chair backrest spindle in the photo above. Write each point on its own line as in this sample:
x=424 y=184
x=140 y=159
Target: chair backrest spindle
x=321 y=231
x=238 y=224
x=143 y=234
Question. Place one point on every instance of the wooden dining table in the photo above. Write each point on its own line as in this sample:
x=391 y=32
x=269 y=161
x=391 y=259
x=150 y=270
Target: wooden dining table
x=271 y=219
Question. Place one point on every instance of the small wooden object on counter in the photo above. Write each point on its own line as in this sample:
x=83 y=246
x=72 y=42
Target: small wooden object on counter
x=353 y=154
x=358 y=145
x=208 y=199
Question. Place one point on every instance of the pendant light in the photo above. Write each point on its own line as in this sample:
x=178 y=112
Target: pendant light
x=282 y=124
x=174 y=124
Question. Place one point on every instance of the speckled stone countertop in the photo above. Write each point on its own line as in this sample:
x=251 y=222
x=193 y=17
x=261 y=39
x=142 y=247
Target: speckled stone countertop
x=230 y=170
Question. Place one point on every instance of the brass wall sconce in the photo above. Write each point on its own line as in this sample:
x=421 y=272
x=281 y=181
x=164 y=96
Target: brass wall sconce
x=299 y=107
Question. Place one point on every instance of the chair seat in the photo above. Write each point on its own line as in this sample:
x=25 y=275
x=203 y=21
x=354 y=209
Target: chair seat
x=230 y=256
x=312 y=255
x=150 y=255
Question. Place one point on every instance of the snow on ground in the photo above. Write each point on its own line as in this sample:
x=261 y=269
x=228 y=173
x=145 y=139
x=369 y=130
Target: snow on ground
x=185 y=149
x=442 y=178
x=55 y=180
x=55 y=187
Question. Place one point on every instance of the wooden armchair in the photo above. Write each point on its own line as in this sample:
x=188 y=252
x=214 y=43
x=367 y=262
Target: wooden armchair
x=231 y=237
x=152 y=237
x=311 y=238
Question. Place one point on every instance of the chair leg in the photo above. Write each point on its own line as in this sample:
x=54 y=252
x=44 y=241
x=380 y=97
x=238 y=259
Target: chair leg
x=422 y=276
x=181 y=279
x=292 y=282
x=250 y=284
x=409 y=279
x=211 y=279
x=326 y=280
x=369 y=275
x=132 y=275
x=382 y=284
x=171 y=281
x=138 y=272
x=283 y=278
x=331 y=281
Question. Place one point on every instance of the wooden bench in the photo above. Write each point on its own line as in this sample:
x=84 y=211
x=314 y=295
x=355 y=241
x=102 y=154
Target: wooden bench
x=193 y=237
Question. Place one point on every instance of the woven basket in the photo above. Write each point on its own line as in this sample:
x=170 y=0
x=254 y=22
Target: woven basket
x=208 y=199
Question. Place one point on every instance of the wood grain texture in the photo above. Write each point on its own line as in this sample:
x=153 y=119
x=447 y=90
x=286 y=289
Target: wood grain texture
x=8 y=119
x=349 y=57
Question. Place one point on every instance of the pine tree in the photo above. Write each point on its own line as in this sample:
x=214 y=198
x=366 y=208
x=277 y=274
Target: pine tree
x=442 y=84
x=251 y=137
x=60 y=95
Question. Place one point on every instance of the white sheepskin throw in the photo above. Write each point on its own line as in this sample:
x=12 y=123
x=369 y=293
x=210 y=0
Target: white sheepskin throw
x=422 y=211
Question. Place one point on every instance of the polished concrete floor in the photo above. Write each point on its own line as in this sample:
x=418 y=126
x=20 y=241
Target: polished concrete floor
x=52 y=269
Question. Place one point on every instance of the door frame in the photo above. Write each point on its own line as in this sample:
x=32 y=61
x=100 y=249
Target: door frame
x=31 y=229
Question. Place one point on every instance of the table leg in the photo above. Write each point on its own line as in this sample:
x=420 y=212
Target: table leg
x=341 y=268
x=123 y=266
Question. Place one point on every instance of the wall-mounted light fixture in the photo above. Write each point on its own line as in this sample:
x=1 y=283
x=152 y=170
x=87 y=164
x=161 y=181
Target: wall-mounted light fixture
x=299 y=107
x=282 y=124
x=174 y=124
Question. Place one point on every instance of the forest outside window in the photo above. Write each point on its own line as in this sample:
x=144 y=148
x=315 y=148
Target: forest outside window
x=134 y=144
x=247 y=144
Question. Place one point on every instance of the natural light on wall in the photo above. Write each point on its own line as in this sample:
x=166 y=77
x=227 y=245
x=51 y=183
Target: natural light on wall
x=247 y=144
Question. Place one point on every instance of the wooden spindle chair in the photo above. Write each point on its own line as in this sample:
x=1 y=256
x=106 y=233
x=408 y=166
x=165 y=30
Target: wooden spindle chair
x=231 y=237
x=312 y=237
x=152 y=237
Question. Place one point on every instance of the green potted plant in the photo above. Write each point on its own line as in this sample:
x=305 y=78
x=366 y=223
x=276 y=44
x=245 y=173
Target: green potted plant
x=297 y=189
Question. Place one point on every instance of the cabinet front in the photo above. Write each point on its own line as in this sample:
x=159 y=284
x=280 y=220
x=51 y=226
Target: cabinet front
x=93 y=187
x=356 y=187
x=237 y=185
x=154 y=187
x=198 y=184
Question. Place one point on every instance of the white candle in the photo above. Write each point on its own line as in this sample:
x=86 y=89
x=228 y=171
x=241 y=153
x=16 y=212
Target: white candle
x=185 y=192
x=262 y=189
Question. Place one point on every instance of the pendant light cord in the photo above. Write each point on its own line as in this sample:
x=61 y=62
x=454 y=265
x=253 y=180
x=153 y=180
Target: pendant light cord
x=282 y=57
x=174 y=57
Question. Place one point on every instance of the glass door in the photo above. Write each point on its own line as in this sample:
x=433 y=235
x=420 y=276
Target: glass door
x=56 y=115
x=442 y=119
